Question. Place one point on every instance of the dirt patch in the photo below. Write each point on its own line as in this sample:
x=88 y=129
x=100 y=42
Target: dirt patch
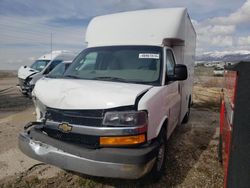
x=207 y=89
x=10 y=127
x=11 y=100
x=7 y=74
x=207 y=97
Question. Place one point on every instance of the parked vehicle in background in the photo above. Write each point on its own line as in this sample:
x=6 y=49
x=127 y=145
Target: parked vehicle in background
x=59 y=70
x=118 y=103
x=28 y=76
x=219 y=71
x=24 y=72
x=214 y=64
x=65 y=56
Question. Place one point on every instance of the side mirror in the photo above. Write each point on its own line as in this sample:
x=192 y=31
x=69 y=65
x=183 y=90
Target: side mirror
x=180 y=73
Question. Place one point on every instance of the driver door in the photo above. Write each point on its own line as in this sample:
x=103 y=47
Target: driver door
x=172 y=92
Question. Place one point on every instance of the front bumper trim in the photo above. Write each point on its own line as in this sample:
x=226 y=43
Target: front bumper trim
x=54 y=156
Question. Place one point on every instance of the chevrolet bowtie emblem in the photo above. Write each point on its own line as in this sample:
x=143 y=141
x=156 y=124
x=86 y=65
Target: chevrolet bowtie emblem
x=65 y=127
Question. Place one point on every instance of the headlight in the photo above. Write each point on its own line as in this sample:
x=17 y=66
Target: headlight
x=126 y=118
x=40 y=109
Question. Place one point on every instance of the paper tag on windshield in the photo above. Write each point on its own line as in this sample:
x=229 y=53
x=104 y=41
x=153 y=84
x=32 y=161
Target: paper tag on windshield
x=149 y=56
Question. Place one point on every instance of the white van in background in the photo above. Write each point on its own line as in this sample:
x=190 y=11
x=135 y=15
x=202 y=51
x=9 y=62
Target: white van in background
x=27 y=76
x=118 y=103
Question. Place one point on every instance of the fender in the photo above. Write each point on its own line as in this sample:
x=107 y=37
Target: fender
x=164 y=122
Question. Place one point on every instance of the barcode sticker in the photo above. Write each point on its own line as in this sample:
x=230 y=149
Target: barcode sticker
x=149 y=56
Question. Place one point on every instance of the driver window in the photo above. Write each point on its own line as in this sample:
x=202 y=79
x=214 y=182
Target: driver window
x=170 y=63
x=88 y=63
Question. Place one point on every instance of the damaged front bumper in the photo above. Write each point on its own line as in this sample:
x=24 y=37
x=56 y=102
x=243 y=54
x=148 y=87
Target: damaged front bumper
x=24 y=87
x=127 y=163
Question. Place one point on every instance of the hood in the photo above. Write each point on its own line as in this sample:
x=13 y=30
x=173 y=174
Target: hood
x=25 y=71
x=86 y=94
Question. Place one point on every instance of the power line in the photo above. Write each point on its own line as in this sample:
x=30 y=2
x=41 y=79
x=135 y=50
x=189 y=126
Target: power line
x=14 y=27
x=27 y=40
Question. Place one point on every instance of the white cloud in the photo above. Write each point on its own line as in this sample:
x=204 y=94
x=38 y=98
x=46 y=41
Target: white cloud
x=223 y=33
x=224 y=41
x=240 y=16
x=244 y=41
x=214 y=30
x=213 y=36
x=221 y=29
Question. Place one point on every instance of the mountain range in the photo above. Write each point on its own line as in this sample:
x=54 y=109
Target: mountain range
x=229 y=56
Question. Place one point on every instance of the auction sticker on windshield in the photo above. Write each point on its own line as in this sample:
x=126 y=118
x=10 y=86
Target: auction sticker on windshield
x=149 y=56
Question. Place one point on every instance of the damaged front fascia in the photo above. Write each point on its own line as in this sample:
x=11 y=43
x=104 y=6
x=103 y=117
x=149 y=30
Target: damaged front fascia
x=33 y=123
x=120 y=108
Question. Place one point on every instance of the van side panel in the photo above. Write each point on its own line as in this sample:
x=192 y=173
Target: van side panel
x=160 y=103
x=188 y=54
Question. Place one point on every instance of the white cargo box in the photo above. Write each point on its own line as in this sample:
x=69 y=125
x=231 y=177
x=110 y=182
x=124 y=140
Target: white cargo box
x=143 y=27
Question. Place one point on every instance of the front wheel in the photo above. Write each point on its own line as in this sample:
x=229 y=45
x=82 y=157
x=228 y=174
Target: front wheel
x=159 y=165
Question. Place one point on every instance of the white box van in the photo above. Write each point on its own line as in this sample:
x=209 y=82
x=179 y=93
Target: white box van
x=120 y=100
x=28 y=76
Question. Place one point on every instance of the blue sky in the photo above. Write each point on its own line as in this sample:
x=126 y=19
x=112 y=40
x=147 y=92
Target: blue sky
x=26 y=25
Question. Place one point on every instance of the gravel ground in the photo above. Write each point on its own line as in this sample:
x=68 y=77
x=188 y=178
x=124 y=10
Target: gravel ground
x=191 y=151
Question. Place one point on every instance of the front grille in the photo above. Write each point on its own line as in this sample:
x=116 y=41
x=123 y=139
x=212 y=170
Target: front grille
x=81 y=117
x=78 y=139
x=78 y=117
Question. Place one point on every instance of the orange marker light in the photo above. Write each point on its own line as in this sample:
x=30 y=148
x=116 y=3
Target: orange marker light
x=122 y=140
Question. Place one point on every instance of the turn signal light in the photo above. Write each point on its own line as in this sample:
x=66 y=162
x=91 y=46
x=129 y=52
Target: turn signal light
x=122 y=140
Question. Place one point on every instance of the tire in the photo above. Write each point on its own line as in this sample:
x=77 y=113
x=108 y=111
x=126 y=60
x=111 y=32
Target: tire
x=219 y=150
x=159 y=166
x=187 y=116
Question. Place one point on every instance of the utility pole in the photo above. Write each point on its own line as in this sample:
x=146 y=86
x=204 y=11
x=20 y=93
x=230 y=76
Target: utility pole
x=51 y=44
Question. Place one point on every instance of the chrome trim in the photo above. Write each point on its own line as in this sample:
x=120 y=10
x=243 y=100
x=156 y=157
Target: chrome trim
x=100 y=131
x=54 y=156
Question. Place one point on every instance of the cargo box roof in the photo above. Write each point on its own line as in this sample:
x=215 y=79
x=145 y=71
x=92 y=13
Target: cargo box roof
x=143 y=27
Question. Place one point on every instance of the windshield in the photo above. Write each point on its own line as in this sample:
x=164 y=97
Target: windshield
x=133 y=64
x=59 y=70
x=39 y=65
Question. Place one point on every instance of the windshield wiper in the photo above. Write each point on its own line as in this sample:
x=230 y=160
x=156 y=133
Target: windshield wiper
x=71 y=76
x=52 y=76
x=109 y=78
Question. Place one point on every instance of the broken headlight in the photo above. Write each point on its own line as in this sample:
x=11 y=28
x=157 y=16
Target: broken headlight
x=40 y=109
